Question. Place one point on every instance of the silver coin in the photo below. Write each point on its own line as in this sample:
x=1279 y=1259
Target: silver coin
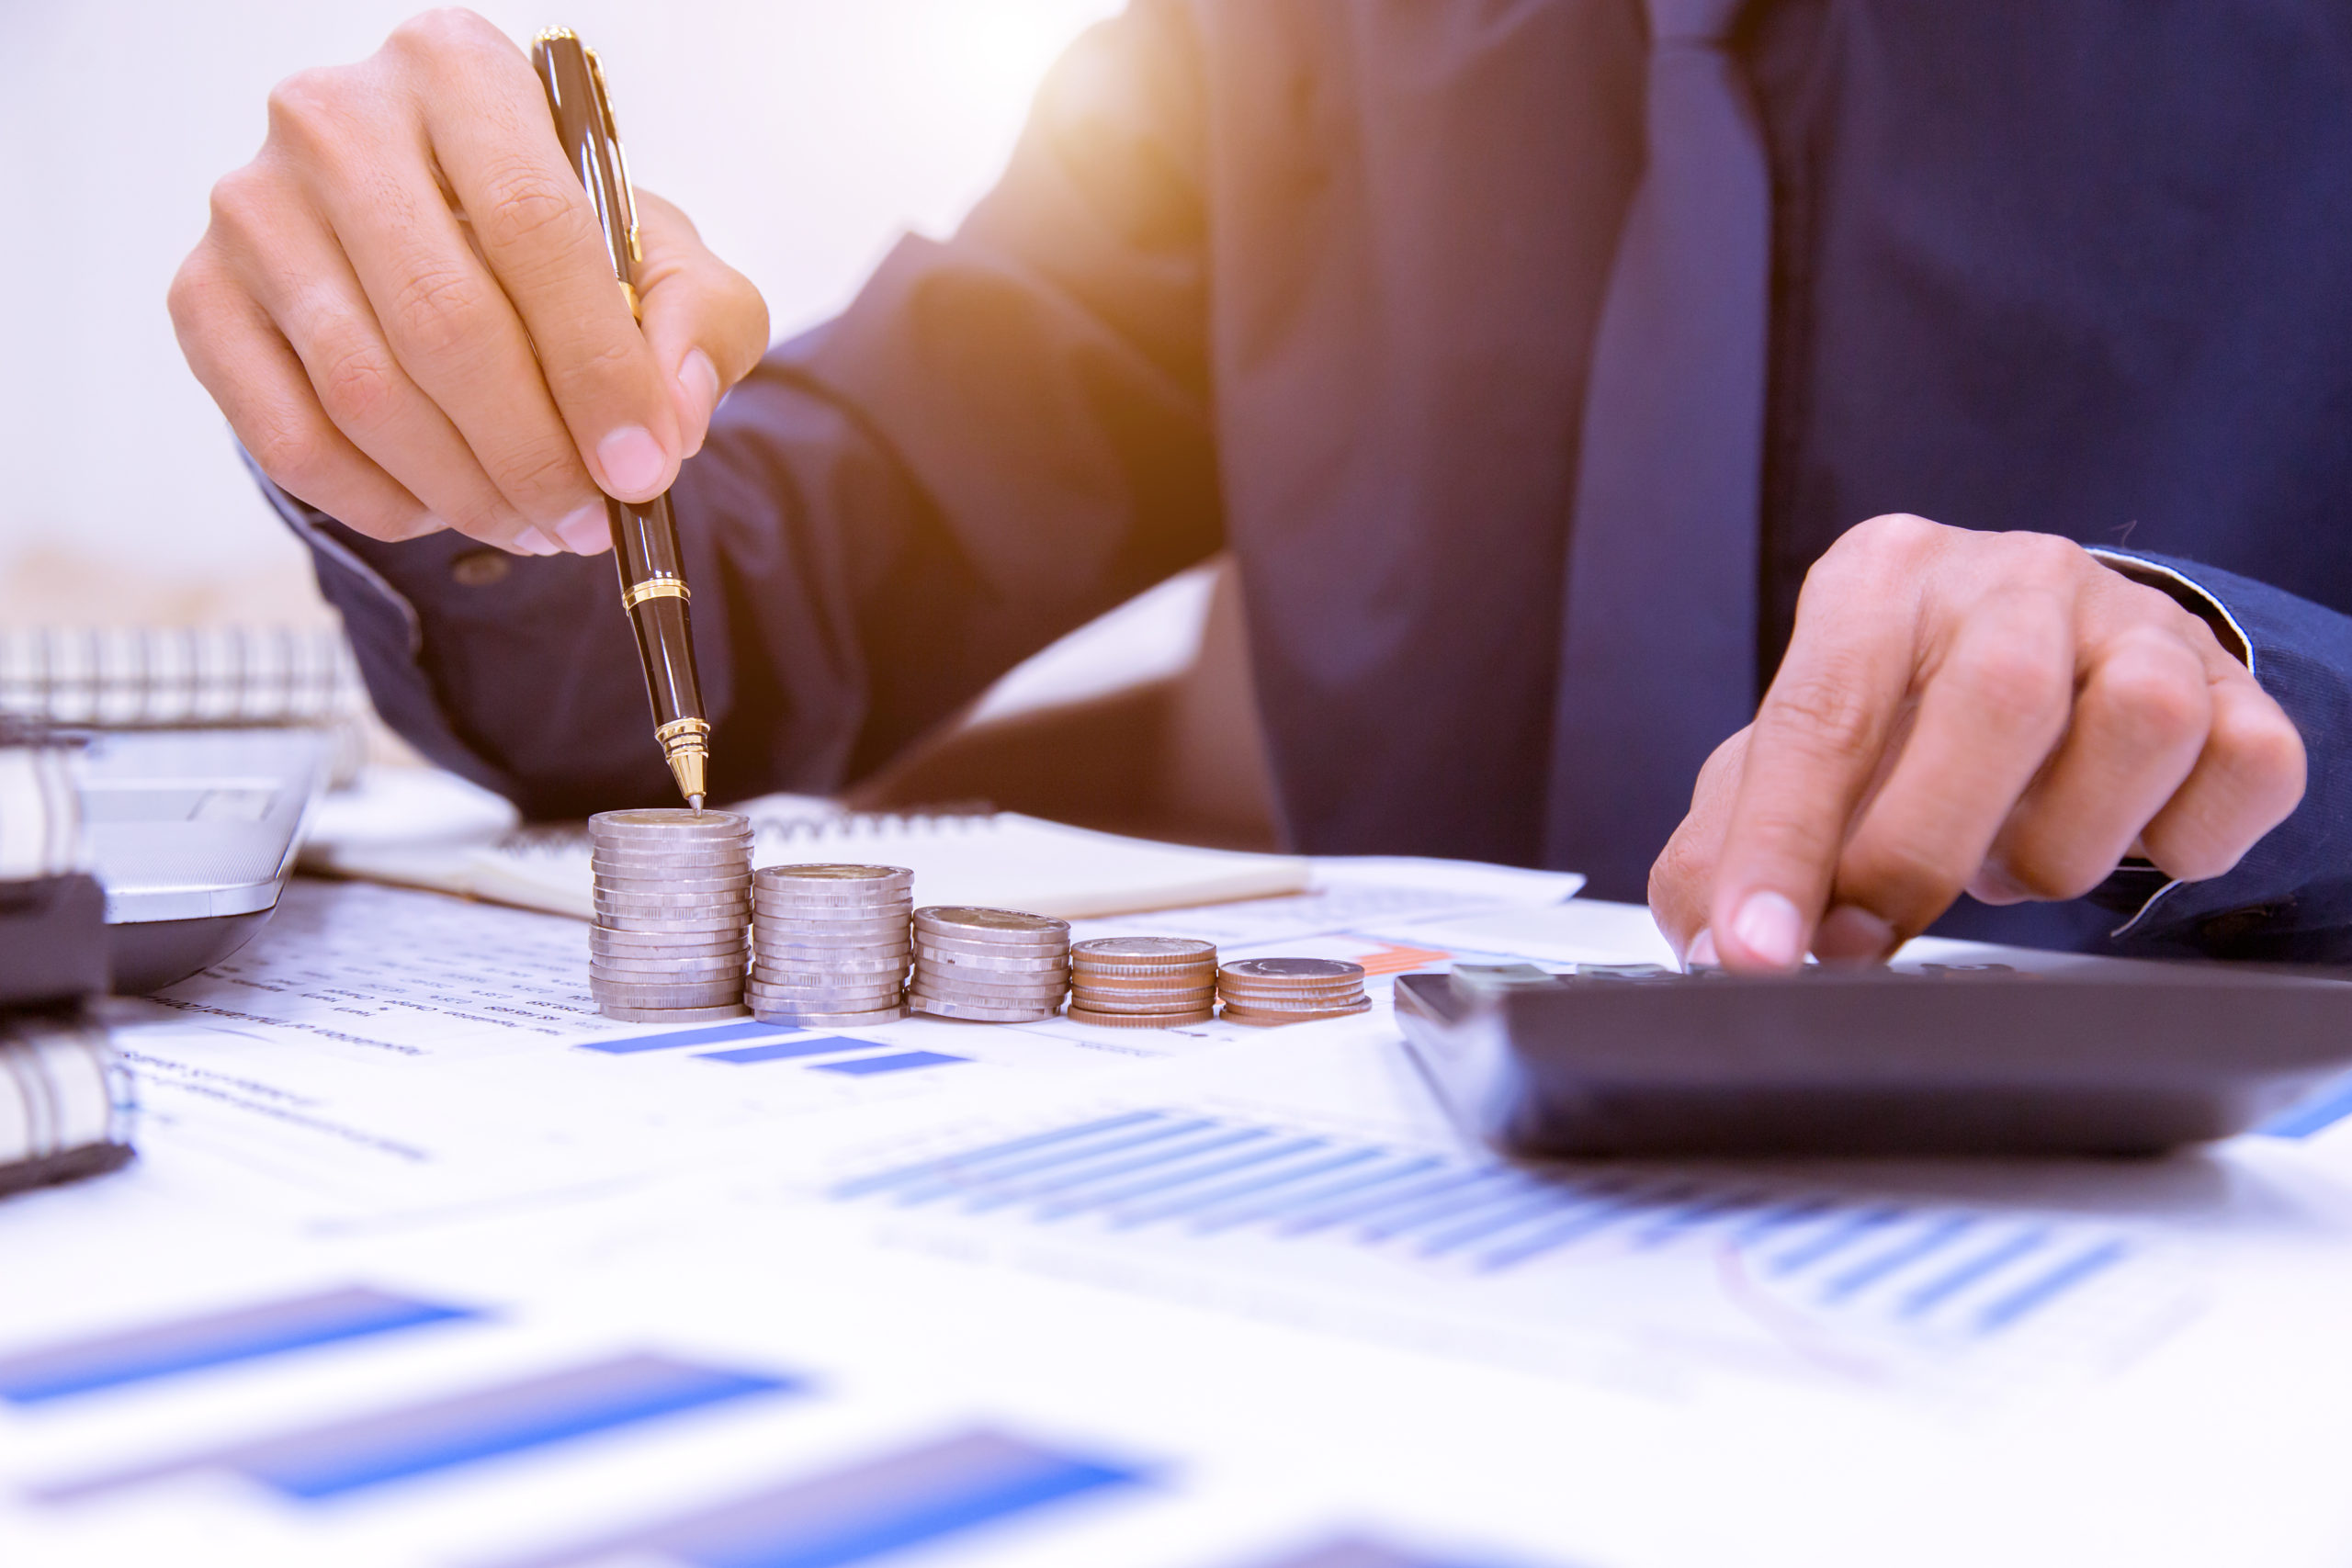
x=814 y=943
x=977 y=1014
x=1096 y=1004
x=660 y=820
x=720 y=854
x=670 y=869
x=825 y=1001
x=826 y=903
x=673 y=877
x=800 y=973
x=702 y=953
x=986 y=996
x=1292 y=969
x=667 y=899
x=687 y=969
x=815 y=876
x=1120 y=985
x=958 y=946
x=819 y=955
x=769 y=1012
x=829 y=925
x=665 y=996
x=972 y=922
x=986 y=960
x=670 y=1015
x=1078 y=1014
x=1144 y=950
x=1345 y=991
x=832 y=930
x=686 y=908
x=783 y=963
x=1115 y=1002
x=664 y=922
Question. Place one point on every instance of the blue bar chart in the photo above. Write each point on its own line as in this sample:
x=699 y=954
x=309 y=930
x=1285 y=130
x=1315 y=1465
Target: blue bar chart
x=1473 y=1232
x=315 y=1463
x=864 y=1511
x=196 y=1344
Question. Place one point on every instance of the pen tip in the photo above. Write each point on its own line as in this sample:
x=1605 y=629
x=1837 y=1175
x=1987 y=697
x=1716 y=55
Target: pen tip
x=694 y=801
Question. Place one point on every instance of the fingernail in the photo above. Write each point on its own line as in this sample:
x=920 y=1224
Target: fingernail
x=1852 y=934
x=531 y=542
x=1702 y=952
x=632 y=460
x=1769 y=927
x=586 y=531
x=699 y=377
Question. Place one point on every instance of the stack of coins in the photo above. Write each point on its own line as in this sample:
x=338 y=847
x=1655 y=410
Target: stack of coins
x=831 y=944
x=1142 y=982
x=1263 y=992
x=672 y=899
x=992 y=965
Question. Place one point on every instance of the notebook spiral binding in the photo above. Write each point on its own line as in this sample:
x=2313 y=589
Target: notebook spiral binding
x=187 y=677
x=66 y=1100
x=550 y=839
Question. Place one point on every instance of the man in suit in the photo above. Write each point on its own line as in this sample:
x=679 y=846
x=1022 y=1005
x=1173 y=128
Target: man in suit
x=1571 y=379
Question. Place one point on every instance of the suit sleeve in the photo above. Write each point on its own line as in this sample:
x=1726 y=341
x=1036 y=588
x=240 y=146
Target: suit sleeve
x=1006 y=433
x=2290 y=897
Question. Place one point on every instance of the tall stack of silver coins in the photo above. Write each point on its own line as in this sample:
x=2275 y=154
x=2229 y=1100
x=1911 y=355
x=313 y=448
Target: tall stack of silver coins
x=673 y=901
x=831 y=944
x=990 y=966
x=1263 y=992
x=1142 y=982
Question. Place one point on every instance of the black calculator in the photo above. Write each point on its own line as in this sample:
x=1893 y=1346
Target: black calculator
x=1618 y=1060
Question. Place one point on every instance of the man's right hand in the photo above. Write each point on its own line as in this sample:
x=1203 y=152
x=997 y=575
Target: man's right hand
x=404 y=306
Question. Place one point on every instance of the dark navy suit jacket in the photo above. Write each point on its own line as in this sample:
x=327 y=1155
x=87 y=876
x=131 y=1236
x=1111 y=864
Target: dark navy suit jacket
x=1317 y=282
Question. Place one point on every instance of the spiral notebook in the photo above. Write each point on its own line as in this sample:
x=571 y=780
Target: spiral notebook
x=64 y=1101
x=187 y=678
x=1001 y=859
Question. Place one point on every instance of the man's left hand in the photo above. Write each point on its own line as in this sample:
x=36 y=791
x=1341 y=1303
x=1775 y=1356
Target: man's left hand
x=1992 y=713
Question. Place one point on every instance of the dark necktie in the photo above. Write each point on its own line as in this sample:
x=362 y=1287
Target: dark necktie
x=1658 y=649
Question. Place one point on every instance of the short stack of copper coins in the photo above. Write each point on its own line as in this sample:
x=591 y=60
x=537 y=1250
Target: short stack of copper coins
x=672 y=896
x=1263 y=992
x=989 y=966
x=831 y=943
x=1142 y=982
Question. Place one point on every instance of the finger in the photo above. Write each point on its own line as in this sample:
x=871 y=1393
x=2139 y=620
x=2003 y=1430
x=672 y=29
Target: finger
x=2248 y=777
x=487 y=117
x=705 y=323
x=1992 y=706
x=1684 y=874
x=448 y=325
x=2139 y=720
x=310 y=292
x=1812 y=753
x=239 y=358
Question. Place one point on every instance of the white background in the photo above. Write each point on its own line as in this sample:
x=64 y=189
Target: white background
x=801 y=135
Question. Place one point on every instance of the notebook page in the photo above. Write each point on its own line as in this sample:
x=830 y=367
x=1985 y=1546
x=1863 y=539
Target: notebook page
x=1004 y=860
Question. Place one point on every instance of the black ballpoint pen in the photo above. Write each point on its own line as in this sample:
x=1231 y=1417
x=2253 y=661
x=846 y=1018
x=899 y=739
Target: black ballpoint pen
x=645 y=538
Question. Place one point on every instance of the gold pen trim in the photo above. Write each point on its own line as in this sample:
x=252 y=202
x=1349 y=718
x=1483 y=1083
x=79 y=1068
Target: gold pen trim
x=637 y=593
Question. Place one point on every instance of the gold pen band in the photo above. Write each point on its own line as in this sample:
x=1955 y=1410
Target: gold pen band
x=628 y=289
x=637 y=593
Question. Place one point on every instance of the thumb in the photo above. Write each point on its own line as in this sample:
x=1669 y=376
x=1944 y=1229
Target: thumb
x=705 y=323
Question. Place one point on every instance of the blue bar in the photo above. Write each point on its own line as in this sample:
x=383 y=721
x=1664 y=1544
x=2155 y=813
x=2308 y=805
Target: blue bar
x=1164 y=1180
x=1258 y=1183
x=862 y=1185
x=964 y=1181
x=216 y=1339
x=2323 y=1110
x=1779 y=1216
x=1500 y=1185
x=1282 y=1150
x=1937 y=1292
x=1049 y=1181
x=1675 y=1220
x=781 y=1050
x=1566 y=1199
x=351 y=1455
x=716 y=1034
x=1598 y=1217
x=1292 y=1202
x=2040 y=1293
x=866 y=1067
x=1453 y=1178
x=1834 y=1239
x=1871 y=1270
x=862 y=1513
